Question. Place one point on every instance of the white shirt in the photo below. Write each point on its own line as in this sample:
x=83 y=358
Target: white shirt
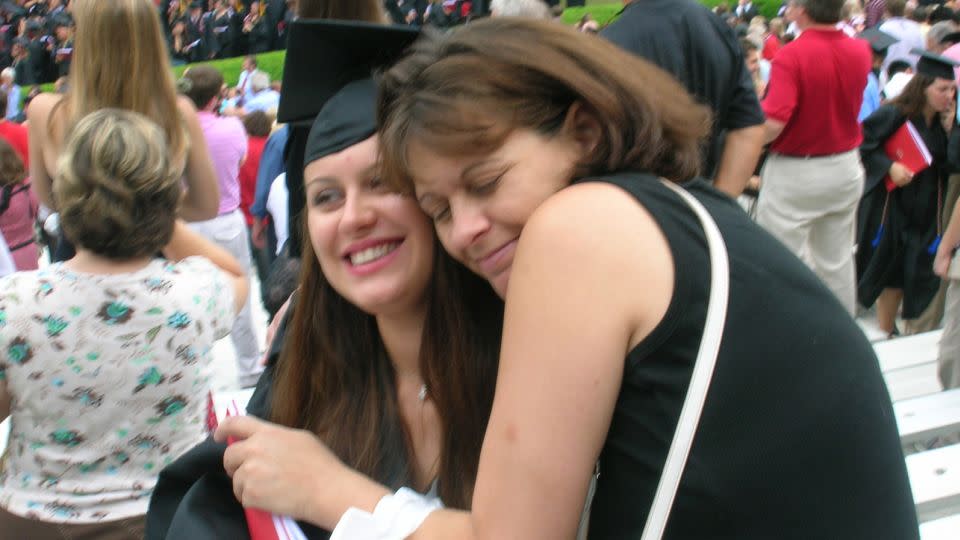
x=910 y=37
x=7 y=265
x=277 y=207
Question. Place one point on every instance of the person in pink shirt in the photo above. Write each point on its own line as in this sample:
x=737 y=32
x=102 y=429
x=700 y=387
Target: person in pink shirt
x=227 y=140
x=18 y=208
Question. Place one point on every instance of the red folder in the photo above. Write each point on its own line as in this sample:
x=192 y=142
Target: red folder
x=906 y=147
x=261 y=524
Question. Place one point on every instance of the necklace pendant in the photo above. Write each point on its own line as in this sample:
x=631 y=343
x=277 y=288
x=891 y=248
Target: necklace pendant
x=423 y=392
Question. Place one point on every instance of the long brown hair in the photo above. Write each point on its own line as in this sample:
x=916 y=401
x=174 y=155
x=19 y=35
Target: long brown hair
x=12 y=169
x=334 y=377
x=460 y=95
x=913 y=98
x=347 y=10
x=133 y=74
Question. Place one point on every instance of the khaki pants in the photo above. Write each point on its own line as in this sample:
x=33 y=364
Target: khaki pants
x=14 y=527
x=810 y=204
x=931 y=317
x=948 y=361
x=229 y=231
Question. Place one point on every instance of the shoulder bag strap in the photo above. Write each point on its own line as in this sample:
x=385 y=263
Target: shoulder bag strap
x=702 y=371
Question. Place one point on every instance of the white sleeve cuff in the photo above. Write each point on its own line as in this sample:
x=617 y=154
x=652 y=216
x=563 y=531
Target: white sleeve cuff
x=396 y=517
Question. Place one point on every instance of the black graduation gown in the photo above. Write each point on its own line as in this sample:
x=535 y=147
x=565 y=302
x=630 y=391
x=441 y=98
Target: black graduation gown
x=194 y=496
x=898 y=232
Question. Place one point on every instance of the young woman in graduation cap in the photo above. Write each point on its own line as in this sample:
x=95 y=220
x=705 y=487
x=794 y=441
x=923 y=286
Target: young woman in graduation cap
x=390 y=354
x=542 y=163
x=900 y=223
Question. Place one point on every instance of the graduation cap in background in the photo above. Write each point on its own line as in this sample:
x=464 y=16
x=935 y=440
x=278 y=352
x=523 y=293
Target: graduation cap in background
x=879 y=41
x=934 y=65
x=324 y=55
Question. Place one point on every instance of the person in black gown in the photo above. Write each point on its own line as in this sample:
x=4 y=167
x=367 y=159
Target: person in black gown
x=899 y=223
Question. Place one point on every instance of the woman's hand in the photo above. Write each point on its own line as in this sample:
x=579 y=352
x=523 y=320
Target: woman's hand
x=941 y=263
x=274 y=468
x=291 y=472
x=900 y=174
x=948 y=118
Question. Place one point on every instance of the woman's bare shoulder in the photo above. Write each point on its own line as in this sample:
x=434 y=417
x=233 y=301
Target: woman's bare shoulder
x=42 y=104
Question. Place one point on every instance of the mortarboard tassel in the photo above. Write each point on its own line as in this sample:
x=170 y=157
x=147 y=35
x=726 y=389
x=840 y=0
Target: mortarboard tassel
x=876 y=239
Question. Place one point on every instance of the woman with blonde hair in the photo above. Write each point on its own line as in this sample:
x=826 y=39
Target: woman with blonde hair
x=107 y=357
x=120 y=60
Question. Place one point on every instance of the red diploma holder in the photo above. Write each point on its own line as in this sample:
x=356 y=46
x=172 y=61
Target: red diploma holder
x=907 y=147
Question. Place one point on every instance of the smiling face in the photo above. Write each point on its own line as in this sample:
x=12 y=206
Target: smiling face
x=374 y=246
x=480 y=204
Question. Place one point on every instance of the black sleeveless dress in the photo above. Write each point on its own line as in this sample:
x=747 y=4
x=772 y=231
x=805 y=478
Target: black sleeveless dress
x=797 y=438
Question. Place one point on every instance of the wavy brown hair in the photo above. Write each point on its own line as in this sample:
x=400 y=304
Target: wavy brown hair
x=913 y=98
x=116 y=188
x=347 y=10
x=335 y=379
x=462 y=93
x=12 y=170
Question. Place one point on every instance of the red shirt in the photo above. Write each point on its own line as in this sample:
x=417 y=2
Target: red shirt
x=16 y=135
x=770 y=47
x=816 y=89
x=248 y=175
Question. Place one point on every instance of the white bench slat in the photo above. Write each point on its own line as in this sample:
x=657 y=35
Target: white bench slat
x=923 y=418
x=911 y=382
x=935 y=482
x=908 y=351
x=947 y=528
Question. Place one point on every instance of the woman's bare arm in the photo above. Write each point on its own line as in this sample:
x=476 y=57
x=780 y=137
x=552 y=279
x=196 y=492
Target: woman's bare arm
x=202 y=198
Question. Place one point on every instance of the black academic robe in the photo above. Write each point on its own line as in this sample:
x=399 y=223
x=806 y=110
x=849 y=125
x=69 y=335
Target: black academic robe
x=898 y=231
x=194 y=496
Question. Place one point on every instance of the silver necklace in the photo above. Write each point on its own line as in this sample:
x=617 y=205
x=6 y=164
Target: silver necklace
x=422 y=394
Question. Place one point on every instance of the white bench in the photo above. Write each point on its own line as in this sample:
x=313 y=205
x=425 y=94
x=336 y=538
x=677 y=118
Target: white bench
x=909 y=364
x=908 y=351
x=935 y=482
x=947 y=528
x=923 y=418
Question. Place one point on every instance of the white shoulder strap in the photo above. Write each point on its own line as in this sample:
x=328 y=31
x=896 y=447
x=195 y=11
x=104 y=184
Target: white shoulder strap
x=702 y=371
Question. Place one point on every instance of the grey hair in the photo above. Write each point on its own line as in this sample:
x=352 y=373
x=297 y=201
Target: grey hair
x=259 y=80
x=939 y=31
x=520 y=8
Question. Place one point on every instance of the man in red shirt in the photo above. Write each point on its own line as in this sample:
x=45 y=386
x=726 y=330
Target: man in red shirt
x=813 y=178
x=14 y=133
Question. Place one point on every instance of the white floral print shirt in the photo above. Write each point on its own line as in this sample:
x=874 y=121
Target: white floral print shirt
x=109 y=376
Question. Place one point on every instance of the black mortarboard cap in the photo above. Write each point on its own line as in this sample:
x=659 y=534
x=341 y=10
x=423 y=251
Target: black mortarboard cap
x=349 y=117
x=879 y=41
x=324 y=55
x=935 y=65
